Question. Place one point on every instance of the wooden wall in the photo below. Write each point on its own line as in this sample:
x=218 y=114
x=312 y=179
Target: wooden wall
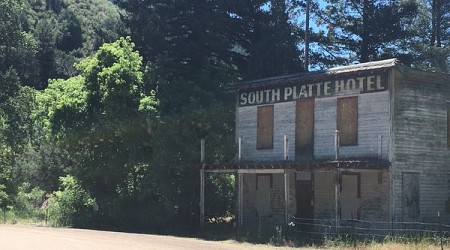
x=373 y=120
x=420 y=137
x=266 y=197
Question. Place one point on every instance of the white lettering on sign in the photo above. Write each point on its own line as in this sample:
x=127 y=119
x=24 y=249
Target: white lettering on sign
x=360 y=84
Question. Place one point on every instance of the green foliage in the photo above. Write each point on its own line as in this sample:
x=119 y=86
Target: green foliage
x=62 y=107
x=28 y=201
x=101 y=118
x=68 y=30
x=17 y=48
x=219 y=196
x=365 y=30
x=71 y=205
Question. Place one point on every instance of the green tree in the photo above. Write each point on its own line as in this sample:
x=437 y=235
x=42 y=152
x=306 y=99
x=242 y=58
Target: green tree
x=68 y=30
x=17 y=48
x=102 y=118
x=16 y=106
x=273 y=48
x=428 y=47
x=365 y=30
x=71 y=205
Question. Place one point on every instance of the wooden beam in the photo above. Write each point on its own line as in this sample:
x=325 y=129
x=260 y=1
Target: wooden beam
x=336 y=200
x=286 y=197
x=202 y=197
x=240 y=199
x=220 y=170
x=261 y=171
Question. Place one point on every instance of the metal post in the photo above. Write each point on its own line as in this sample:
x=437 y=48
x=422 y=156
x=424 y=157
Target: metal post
x=307 y=36
x=286 y=196
x=336 y=144
x=202 y=151
x=379 y=146
x=286 y=148
x=240 y=149
x=336 y=201
x=202 y=196
x=240 y=198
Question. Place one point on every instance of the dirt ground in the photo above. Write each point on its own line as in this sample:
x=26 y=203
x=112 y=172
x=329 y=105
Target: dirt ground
x=21 y=237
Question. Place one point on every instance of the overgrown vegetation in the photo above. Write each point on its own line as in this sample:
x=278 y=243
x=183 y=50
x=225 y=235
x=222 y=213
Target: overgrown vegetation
x=86 y=115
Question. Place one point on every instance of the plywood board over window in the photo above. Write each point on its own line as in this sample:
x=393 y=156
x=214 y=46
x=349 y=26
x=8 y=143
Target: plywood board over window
x=264 y=137
x=304 y=130
x=350 y=193
x=347 y=120
x=410 y=196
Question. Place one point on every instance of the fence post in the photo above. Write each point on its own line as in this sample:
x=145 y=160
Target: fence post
x=440 y=230
x=336 y=145
x=392 y=226
x=353 y=229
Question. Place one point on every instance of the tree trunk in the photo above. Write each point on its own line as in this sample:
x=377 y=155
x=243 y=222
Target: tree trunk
x=365 y=33
x=167 y=191
x=436 y=19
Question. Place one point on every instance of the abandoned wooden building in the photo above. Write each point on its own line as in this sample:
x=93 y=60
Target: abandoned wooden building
x=369 y=141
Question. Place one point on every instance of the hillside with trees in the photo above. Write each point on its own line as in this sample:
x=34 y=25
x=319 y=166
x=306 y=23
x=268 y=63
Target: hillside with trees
x=103 y=103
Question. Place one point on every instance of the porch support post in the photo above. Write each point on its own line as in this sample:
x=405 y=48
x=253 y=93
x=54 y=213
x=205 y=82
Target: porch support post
x=336 y=200
x=202 y=196
x=240 y=198
x=286 y=196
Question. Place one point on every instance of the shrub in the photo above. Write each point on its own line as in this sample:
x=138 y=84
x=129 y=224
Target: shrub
x=28 y=202
x=71 y=205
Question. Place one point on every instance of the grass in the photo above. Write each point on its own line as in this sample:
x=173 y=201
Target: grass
x=282 y=237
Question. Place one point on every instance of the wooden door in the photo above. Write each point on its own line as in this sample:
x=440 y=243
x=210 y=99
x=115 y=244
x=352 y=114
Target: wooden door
x=304 y=130
x=349 y=196
x=305 y=200
x=410 y=196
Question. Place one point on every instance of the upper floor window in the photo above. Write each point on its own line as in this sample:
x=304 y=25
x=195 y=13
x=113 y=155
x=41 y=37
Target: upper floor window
x=347 y=120
x=264 y=134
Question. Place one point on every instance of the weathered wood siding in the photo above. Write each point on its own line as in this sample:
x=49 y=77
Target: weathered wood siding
x=324 y=195
x=374 y=201
x=373 y=120
x=284 y=124
x=372 y=205
x=255 y=200
x=420 y=138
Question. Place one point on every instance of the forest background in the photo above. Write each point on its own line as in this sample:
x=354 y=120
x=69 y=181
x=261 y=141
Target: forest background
x=103 y=103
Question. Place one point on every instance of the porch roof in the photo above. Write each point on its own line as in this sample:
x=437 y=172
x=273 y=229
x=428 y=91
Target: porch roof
x=301 y=166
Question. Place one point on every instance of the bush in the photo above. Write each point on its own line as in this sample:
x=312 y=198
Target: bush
x=28 y=202
x=71 y=205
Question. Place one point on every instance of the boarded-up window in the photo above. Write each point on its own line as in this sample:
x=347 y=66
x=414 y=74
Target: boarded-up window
x=304 y=130
x=410 y=196
x=264 y=137
x=350 y=192
x=264 y=183
x=347 y=120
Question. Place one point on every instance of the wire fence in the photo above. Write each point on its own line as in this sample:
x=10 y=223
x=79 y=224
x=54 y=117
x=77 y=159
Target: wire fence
x=380 y=230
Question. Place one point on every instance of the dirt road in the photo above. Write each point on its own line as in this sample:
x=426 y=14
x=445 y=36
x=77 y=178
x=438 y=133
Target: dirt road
x=19 y=237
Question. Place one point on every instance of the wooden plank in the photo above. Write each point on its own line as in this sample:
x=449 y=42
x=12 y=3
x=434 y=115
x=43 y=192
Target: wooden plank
x=265 y=122
x=304 y=130
x=410 y=196
x=350 y=191
x=347 y=120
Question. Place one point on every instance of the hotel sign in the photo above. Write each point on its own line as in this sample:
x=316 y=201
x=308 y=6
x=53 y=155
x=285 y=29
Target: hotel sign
x=337 y=86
